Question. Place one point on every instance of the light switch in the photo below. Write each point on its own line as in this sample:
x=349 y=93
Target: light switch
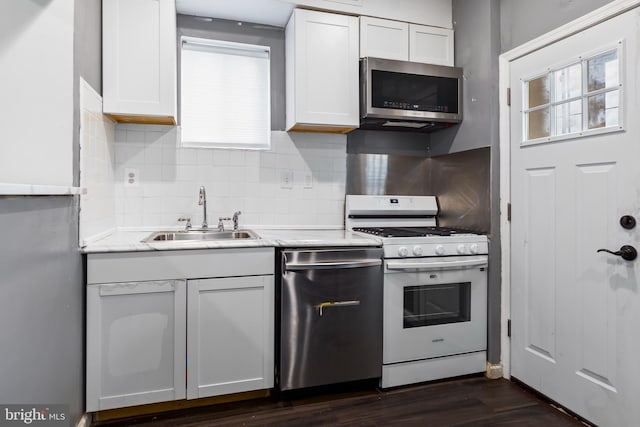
x=308 y=180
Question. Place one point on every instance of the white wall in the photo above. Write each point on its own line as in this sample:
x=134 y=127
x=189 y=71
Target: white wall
x=36 y=92
x=169 y=177
x=97 y=164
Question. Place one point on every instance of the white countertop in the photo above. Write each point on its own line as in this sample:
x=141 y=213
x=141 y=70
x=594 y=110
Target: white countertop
x=131 y=241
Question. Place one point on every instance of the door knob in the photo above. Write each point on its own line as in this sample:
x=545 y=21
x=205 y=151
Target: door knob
x=627 y=252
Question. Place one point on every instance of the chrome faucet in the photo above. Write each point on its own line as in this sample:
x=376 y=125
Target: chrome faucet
x=202 y=201
x=235 y=220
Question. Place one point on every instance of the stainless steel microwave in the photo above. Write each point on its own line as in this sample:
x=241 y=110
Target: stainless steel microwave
x=402 y=95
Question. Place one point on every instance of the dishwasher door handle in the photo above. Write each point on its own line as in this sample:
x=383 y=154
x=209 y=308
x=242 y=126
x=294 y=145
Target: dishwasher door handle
x=332 y=265
x=436 y=265
x=324 y=305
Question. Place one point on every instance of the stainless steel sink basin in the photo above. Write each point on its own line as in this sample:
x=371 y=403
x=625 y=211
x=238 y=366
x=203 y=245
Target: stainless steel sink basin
x=200 y=235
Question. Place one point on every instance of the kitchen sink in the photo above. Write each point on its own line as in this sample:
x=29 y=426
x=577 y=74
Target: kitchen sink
x=199 y=235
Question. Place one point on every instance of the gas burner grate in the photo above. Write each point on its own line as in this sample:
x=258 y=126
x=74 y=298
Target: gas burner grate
x=390 y=232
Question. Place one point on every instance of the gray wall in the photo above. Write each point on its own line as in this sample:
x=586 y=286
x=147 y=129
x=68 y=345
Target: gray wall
x=42 y=304
x=42 y=307
x=477 y=46
x=263 y=35
x=524 y=20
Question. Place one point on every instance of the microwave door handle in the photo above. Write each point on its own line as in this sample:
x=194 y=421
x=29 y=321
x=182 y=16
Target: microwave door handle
x=332 y=265
x=436 y=265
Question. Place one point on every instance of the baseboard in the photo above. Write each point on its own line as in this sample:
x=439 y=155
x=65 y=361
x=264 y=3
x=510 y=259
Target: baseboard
x=85 y=421
x=494 y=372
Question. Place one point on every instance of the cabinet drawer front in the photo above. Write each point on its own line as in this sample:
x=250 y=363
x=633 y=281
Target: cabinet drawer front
x=163 y=265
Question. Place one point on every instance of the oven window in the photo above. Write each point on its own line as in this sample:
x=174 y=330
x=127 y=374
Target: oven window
x=436 y=304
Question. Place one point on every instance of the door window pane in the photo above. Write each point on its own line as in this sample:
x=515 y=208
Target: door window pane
x=538 y=124
x=568 y=117
x=603 y=71
x=538 y=91
x=568 y=82
x=436 y=304
x=603 y=110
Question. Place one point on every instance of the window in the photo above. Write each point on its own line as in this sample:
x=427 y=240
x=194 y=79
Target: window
x=224 y=94
x=578 y=99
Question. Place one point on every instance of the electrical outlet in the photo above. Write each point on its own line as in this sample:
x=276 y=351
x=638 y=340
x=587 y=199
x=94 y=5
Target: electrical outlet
x=131 y=177
x=286 y=179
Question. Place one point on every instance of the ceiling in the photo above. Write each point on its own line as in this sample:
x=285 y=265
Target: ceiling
x=269 y=12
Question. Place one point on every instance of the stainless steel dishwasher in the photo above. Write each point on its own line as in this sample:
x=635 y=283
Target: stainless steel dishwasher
x=330 y=316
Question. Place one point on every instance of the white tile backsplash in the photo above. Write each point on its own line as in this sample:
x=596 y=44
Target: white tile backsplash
x=97 y=160
x=170 y=177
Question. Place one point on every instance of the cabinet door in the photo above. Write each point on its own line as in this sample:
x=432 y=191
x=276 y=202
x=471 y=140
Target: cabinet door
x=135 y=343
x=430 y=45
x=230 y=335
x=382 y=38
x=322 y=71
x=139 y=60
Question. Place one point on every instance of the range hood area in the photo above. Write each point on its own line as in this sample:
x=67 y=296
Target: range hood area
x=409 y=96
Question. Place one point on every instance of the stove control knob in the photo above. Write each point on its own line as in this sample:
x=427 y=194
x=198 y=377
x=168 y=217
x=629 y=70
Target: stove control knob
x=439 y=250
x=473 y=248
x=403 y=252
x=462 y=249
x=417 y=250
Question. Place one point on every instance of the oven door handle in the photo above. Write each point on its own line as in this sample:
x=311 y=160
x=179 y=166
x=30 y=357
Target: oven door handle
x=436 y=265
x=332 y=265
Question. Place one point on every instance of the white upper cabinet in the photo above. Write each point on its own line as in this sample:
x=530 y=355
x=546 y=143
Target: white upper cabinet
x=139 y=60
x=382 y=38
x=430 y=45
x=437 y=13
x=322 y=72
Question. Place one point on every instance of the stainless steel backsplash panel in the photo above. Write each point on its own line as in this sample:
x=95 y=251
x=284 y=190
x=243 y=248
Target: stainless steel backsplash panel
x=460 y=180
x=462 y=183
x=379 y=174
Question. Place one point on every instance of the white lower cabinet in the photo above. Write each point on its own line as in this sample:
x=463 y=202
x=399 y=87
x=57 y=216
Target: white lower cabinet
x=151 y=340
x=135 y=343
x=230 y=335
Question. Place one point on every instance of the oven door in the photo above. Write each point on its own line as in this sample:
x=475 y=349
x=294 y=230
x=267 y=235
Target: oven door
x=434 y=307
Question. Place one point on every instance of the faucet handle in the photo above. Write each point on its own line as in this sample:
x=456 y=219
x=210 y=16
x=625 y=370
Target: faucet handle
x=235 y=219
x=221 y=222
x=187 y=220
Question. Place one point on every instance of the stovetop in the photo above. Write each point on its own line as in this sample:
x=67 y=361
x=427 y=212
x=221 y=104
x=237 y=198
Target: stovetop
x=392 y=232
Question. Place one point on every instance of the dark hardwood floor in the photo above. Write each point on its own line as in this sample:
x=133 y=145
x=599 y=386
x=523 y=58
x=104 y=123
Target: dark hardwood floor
x=472 y=401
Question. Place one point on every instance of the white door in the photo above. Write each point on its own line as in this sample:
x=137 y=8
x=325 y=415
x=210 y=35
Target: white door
x=575 y=311
x=230 y=335
x=135 y=343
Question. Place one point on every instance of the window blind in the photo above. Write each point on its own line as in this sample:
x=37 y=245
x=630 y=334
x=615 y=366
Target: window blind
x=225 y=94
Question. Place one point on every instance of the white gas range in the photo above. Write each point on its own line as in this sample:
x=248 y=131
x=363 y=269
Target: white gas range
x=435 y=288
